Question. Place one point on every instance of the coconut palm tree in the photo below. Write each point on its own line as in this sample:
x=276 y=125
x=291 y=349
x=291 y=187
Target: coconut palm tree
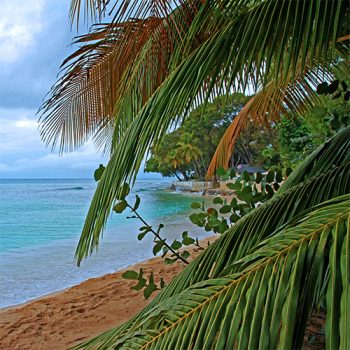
x=177 y=161
x=189 y=152
x=134 y=78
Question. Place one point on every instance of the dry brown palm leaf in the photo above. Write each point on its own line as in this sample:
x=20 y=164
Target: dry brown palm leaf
x=125 y=60
x=288 y=98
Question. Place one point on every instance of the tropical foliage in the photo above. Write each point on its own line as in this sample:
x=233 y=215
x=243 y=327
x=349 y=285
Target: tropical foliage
x=136 y=78
x=295 y=138
x=187 y=151
x=257 y=284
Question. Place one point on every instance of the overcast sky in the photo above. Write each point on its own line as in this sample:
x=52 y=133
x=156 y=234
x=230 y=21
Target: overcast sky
x=34 y=39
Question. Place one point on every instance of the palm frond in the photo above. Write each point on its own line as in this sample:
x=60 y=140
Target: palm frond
x=294 y=96
x=94 y=9
x=333 y=153
x=107 y=80
x=306 y=191
x=262 y=305
x=179 y=90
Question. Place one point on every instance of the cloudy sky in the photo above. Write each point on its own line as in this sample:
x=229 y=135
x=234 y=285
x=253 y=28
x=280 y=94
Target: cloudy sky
x=34 y=39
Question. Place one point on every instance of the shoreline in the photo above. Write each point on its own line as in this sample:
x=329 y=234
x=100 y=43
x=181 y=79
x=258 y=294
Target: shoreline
x=67 y=317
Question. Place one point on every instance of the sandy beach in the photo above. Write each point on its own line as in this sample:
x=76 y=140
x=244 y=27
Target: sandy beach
x=63 y=319
x=66 y=318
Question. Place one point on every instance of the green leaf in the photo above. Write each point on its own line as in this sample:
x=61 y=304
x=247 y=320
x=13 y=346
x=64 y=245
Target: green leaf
x=270 y=192
x=245 y=195
x=140 y=284
x=158 y=246
x=234 y=217
x=276 y=186
x=220 y=172
x=279 y=176
x=185 y=254
x=246 y=176
x=270 y=176
x=225 y=209
x=195 y=205
x=218 y=200
x=98 y=172
x=149 y=290
x=232 y=173
x=184 y=234
x=258 y=178
x=141 y=235
x=165 y=250
x=124 y=191
x=235 y=186
x=137 y=202
x=187 y=241
x=194 y=218
x=120 y=206
x=176 y=245
x=169 y=261
x=130 y=275
x=234 y=203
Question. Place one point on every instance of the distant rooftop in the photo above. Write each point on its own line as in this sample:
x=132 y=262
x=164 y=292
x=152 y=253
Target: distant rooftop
x=241 y=168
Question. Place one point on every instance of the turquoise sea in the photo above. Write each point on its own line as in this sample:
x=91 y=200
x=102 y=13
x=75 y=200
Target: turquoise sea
x=41 y=221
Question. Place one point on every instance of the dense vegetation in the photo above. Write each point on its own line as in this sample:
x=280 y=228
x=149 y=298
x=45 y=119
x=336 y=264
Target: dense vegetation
x=187 y=151
x=135 y=78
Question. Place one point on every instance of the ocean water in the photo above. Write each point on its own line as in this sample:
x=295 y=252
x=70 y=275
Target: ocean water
x=40 y=225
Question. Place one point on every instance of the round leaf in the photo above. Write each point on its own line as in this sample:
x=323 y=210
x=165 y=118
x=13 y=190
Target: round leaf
x=120 y=206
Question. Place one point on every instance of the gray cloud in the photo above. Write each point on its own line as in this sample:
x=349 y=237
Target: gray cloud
x=35 y=37
x=32 y=50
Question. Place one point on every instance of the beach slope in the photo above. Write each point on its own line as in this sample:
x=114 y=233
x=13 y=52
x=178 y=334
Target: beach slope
x=66 y=318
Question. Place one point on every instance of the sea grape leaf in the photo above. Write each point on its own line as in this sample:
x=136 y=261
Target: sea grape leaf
x=120 y=206
x=195 y=205
x=225 y=209
x=185 y=254
x=270 y=176
x=246 y=176
x=176 y=245
x=130 y=275
x=235 y=186
x=139 y=285
x=158 y=246
x=125 y=190
x=137 y=202
x=169 y=261
x=218 y=200
x=98 y=172
x=149 y=290
x=187 y=240
x=141 y=235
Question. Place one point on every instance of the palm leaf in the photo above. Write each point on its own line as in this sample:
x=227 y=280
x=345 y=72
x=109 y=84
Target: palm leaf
x=308 y=188
x=330 y=155
x=259 y=306
x=293 y=97
x=178 y=92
